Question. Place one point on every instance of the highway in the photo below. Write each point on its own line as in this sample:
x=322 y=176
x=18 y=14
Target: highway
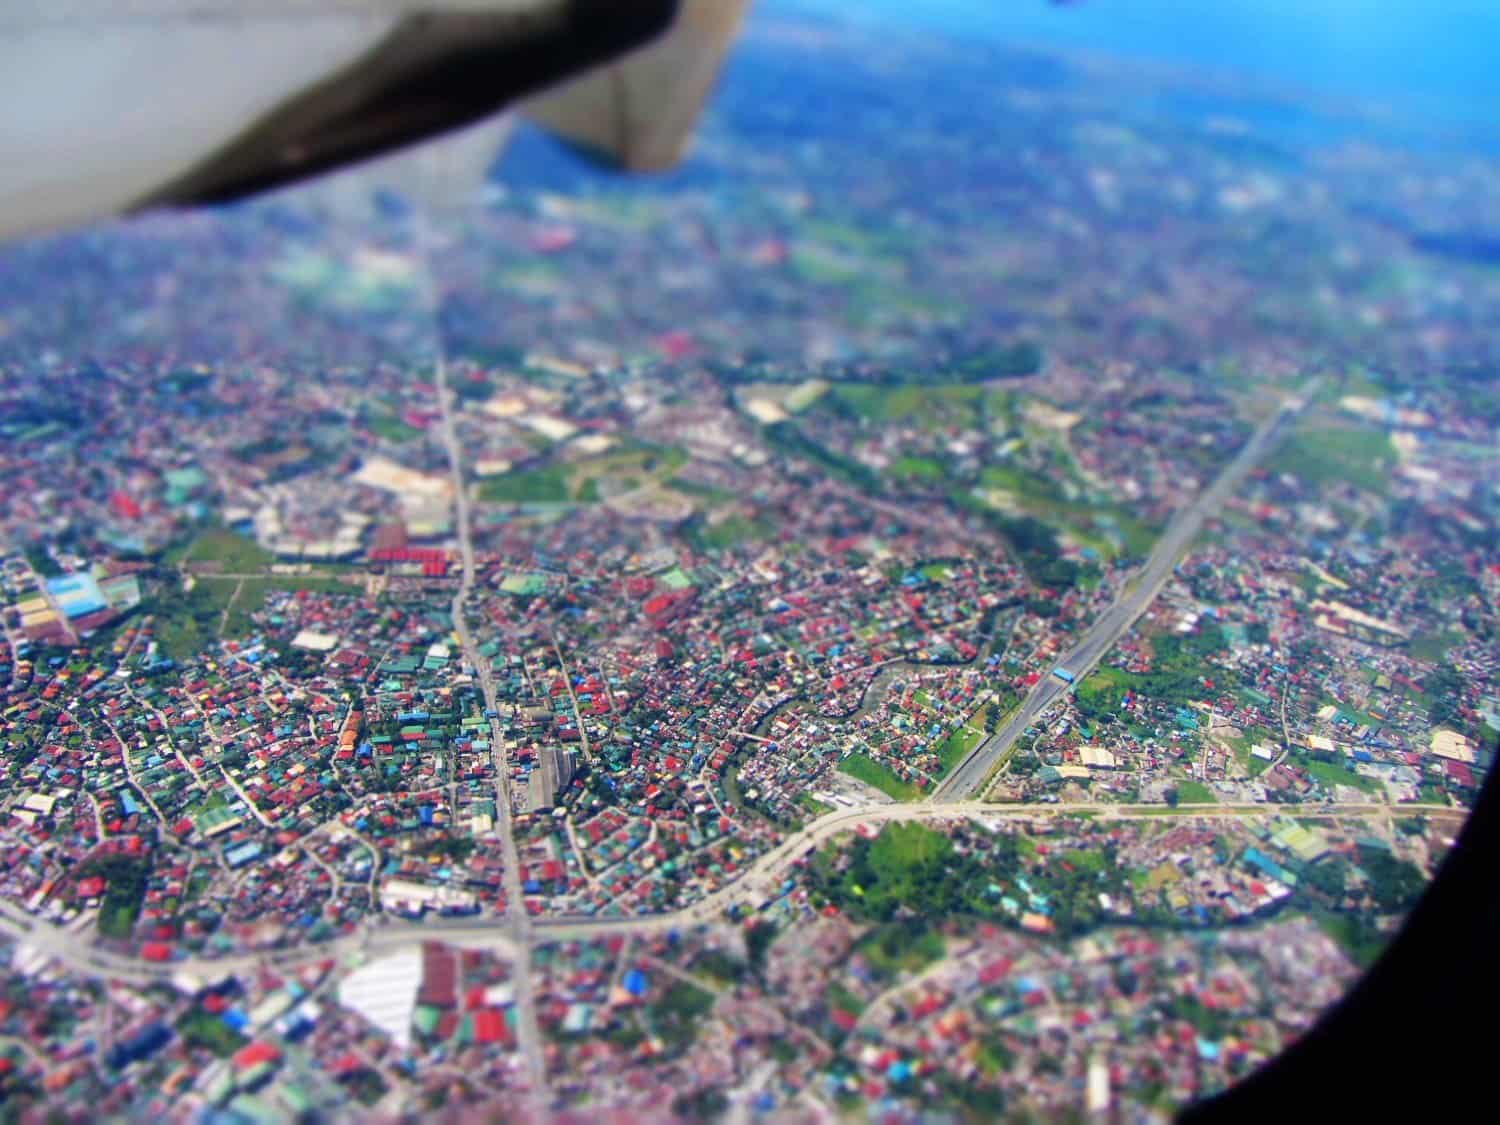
x=966 y=779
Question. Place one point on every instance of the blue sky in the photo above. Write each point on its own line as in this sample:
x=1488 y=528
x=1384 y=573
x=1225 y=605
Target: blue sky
x=1438 y=55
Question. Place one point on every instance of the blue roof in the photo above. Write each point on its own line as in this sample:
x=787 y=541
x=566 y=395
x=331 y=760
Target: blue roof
x=636 y=982
x=76 y=594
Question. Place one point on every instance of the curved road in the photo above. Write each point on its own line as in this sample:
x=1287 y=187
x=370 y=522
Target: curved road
x=761 y=880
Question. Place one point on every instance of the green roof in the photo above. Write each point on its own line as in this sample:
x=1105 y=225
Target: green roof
x=676 y=579
x=426 y=1019
x=184 y=479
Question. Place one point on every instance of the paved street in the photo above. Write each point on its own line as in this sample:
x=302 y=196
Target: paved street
x=970 y=774
x=516 y=922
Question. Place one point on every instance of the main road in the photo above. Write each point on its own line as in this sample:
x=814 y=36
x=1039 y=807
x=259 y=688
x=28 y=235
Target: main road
x=971 y=773
x=761 y=880
x=516 y=932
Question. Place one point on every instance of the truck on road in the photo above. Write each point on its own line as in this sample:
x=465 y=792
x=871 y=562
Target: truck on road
x=1063 y=674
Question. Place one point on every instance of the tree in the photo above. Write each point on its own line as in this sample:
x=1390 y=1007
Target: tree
x=1395 y=884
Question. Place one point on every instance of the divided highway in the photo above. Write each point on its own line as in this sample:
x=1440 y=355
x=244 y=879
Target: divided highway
x=966 y=779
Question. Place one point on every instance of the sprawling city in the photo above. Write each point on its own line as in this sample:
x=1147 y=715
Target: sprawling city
x=976 y=598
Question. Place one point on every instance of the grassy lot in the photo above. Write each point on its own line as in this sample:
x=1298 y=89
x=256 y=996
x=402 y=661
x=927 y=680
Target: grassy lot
x=813 y=805
x=867 y=769
x=253 y=594
x=916 y=468
x=544 y=485
x=628 y=466
x=187 y=622
x=1319 y=453
x=391 y=428
x=1195 y=793
x=957 y=745
x=1332 y=773
x=893 y=950
x=237 y=554
x=705 y=492
x=1091 y=862
x=675 y=1016
x=1103 y=688
x=902 y=846
x=1092 y=525
x=733 y=530
x=933 y=405
x=1433 y=647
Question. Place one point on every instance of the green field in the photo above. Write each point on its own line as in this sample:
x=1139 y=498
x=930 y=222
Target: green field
x=932 y=405
x=893 y=950
x=630 y=466
x=1090 y=861
x=391 y=428
x=674 y=1017
x=1098 y=526
x=1195 y=793
x=916 y=468
x=1433 y=647
x=732 y=530
x=186 y=623
x=1103 y=688
x=1330 y=774
x=705 y=492
x=237 y=554
x=1319 y=453
x=867 y=769
x=901 y=846
x=253 y=592
x=548 y=485
x=957 y=745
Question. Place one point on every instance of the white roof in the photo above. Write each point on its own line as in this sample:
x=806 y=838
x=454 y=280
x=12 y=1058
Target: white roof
x=1096 y=757
x=385 y=993
x=313 y=641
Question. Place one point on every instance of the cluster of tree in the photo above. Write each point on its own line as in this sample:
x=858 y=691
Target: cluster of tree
x=1394 y=884
x=1444 y=686
x=880 y=883
x=125 y=879
x=674 y=1016
x=788 y=438
x=1034 y=542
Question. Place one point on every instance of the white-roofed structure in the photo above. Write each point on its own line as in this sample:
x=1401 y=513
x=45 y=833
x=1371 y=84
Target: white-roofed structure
x=1096 y=757
x=385 y=993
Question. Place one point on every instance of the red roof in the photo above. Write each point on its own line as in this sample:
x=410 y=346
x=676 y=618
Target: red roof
x=995 y=970
x=92 y=887
x=489 y=1026
x=124 y=505
x=255 y=1054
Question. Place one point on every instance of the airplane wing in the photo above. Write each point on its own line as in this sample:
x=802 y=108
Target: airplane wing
x=639 y=112
x=115 y=105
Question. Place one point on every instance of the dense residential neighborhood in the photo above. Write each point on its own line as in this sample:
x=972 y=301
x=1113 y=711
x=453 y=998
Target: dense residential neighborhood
x=779 y=642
